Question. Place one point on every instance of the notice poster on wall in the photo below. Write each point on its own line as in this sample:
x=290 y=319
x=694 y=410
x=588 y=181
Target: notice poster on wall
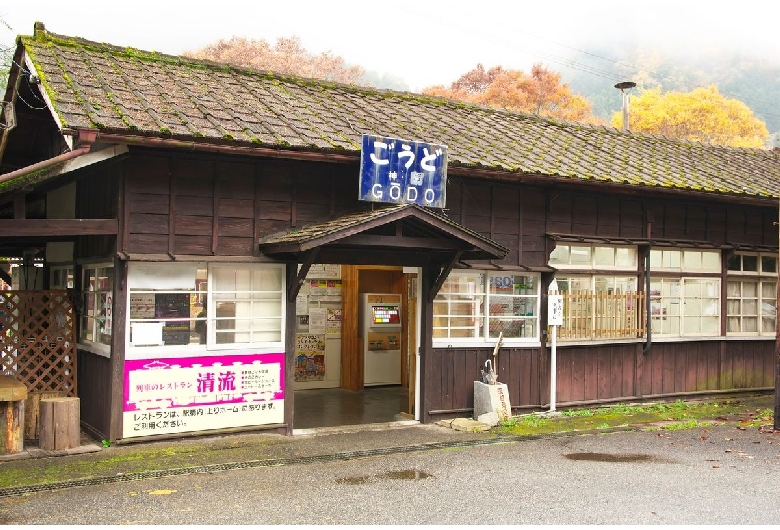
x=334 y=288
x=318 y=320
x=309 y=357
x=334 y=322
x=323 y=270
x=142 y=305
x=187 y=394
x=301 y=304
x=318 y=287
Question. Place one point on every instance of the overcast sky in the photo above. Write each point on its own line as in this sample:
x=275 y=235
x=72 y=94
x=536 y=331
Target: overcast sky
x=425 y=42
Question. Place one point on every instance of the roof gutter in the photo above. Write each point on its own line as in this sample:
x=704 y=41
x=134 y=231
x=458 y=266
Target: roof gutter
x=86 y=140
x=172 y=143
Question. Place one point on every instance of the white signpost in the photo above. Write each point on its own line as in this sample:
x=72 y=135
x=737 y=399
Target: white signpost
x=554 y=319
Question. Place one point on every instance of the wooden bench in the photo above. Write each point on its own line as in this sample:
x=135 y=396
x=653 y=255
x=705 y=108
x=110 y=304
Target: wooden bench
x=12 y=396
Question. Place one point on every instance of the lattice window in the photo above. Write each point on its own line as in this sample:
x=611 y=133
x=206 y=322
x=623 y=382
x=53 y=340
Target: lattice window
x=38 y=341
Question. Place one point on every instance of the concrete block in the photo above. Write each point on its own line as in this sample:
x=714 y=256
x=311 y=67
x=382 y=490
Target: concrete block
x=492 y=398
x=491 y=418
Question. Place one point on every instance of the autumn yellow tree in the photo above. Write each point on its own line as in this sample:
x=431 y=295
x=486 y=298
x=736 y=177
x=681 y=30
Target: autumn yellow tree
x=540 y=93
x=287 y=57
x=702 y=115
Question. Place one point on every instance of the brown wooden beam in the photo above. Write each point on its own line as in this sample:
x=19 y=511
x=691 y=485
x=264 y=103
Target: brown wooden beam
x=294 y=288
x=445 y=271
x=57 y=227
x=6 y=277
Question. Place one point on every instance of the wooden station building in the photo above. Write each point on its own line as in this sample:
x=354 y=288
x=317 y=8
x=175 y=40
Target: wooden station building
x=188 y=246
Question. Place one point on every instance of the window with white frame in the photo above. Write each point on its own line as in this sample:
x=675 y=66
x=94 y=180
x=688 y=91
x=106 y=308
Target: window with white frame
x=751 y=307
x=599 y=288
x=196 y=305
x=97 y=315
x=478 y=306
x=684 y=301
x=61 y=277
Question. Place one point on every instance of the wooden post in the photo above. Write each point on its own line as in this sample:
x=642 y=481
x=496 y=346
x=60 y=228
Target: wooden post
x=60 y=423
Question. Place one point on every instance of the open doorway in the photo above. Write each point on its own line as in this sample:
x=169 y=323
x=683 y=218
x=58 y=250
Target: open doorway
x=366 y=373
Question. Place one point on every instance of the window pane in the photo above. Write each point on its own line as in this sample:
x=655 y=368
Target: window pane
x=560 y=255
x=750 y=263
x=656 y=259
x=768 y=264
x=580 y=255
x=604 y=256
x=735 y=263
x=710 y=261
x=692 y=260
x=626 y=257
x=734 y=307
x=750 y=307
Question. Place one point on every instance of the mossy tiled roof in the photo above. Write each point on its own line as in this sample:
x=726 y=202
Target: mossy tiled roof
x=126 y=91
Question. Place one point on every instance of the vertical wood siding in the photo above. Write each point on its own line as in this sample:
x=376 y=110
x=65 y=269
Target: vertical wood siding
x=94 y=375
x=599 y=373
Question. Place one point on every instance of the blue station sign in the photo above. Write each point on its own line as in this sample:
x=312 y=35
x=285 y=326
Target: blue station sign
x=402 y=171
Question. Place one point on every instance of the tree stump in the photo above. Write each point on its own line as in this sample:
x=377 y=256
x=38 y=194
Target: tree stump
x=60 y=424
x=32 y=411
x=12 y=396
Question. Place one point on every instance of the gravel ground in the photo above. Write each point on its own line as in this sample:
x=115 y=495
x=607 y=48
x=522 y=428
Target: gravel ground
x=715 y=475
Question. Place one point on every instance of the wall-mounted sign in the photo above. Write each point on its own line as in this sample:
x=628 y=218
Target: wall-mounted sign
x=185 y=394
x=403 y=172
x=555 y=310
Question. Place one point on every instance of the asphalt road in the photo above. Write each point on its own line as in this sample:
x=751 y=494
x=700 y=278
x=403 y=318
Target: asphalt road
x=719 y=475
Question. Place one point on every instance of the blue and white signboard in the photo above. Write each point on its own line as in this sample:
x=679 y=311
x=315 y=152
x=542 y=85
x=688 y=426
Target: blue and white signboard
x=402 y=171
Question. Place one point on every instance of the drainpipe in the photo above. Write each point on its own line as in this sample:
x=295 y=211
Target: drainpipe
x=649 y=341
x=86 y=137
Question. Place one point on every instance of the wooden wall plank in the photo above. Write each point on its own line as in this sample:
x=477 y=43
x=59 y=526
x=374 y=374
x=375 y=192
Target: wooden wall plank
x=192 y=244
x=236 y=227
x=236 y=208
x=578 y=382
x=148 y=203
x=590 y=377
x=563 y=381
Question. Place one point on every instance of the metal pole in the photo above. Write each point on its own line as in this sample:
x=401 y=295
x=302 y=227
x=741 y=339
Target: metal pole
x=625 y=111
x=553 y=368
x=554 y=318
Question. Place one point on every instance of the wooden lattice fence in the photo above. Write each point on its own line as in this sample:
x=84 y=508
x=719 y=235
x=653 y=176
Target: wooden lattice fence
x=591 y=315
x=38 y=340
